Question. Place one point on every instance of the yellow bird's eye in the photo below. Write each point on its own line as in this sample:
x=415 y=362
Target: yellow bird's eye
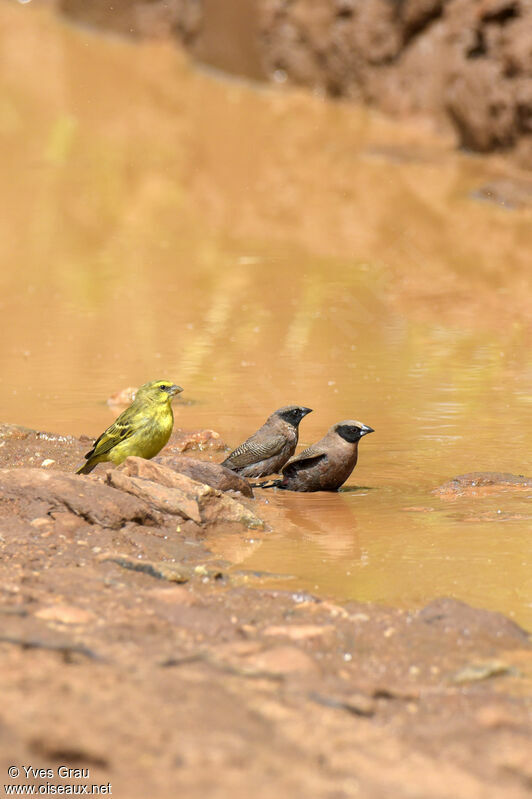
x=164 y=388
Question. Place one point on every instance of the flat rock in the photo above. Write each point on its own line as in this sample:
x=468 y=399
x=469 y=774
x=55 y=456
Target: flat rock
x=14 y=431
x=212 y=474
x=279 y=661
x=175 y=500
x=39 y=493
x=175 y=493
x=65 y=614
x=299 y=632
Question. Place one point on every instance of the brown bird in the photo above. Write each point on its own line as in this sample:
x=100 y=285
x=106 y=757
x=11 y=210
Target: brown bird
x=326 y=465
x=267 y=450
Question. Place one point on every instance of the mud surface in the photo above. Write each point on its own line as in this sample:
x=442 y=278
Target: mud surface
x=128 y=649
x=463 y=64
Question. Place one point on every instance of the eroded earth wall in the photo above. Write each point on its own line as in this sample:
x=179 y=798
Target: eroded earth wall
x=465 y=64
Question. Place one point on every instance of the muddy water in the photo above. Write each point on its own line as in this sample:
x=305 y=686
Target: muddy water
x=263 y=247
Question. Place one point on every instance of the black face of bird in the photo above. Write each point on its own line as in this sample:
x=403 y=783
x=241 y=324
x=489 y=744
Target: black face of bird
x=353 y=432
x=294 y=415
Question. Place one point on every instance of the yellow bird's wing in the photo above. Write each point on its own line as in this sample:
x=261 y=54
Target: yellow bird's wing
x=119 y=431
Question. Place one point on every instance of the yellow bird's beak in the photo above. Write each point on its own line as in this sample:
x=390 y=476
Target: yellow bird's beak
x=173 y=390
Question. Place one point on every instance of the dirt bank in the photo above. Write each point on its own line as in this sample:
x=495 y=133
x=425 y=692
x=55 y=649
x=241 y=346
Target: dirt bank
x=127 y=649
x=465 y=65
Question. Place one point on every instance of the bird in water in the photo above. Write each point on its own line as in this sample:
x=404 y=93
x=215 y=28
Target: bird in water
x=326 y=465
x=142 y=429
x=267 y=450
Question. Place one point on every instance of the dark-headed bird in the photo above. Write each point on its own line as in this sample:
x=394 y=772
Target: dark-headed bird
x=142 y=429
x=326 y=465
x=267 y=450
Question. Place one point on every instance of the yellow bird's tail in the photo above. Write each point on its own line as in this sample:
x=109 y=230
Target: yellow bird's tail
x=86 y=468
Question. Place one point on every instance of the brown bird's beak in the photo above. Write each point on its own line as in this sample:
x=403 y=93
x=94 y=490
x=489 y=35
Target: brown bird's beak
x=304 y=411
x=173 y=390
x=365 y=429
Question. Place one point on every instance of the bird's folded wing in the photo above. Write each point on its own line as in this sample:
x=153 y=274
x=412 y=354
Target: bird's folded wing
x=117 y=432
x=252 y=451
x=304 y=458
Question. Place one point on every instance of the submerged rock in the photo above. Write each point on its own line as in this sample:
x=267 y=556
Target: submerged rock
x=123 y=397
x=509 y=193
x=213 y=474
x=483 y=484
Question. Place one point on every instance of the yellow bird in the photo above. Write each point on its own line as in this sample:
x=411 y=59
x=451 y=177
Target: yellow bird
x=142 y=429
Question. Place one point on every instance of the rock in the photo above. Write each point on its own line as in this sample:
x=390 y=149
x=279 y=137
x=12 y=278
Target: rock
x=251 y=659
x=299 y=632
x=417 y=15
x=14 y=431
x=360 y=704
x=172 y=572
x=123 y=397
x=212 y=474
x=481 y=104
x=474 y=672
x=182 y=441
x=159 y=473
x=451 y=615
x=177 y=494
x=507 y=192
x=356 y=703
x=42 y=521
x=178 y=501
x=278 y=662
x=515 y=759
x=494 y=717
x=66 y=614
x=483 y=484
x=165 y=570
x=40 y=493
x=173 y=595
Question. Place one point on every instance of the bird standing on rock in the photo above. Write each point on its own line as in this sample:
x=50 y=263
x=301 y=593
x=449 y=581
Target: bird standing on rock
x=142 y=429
x=326 y=465
x=267 y=450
